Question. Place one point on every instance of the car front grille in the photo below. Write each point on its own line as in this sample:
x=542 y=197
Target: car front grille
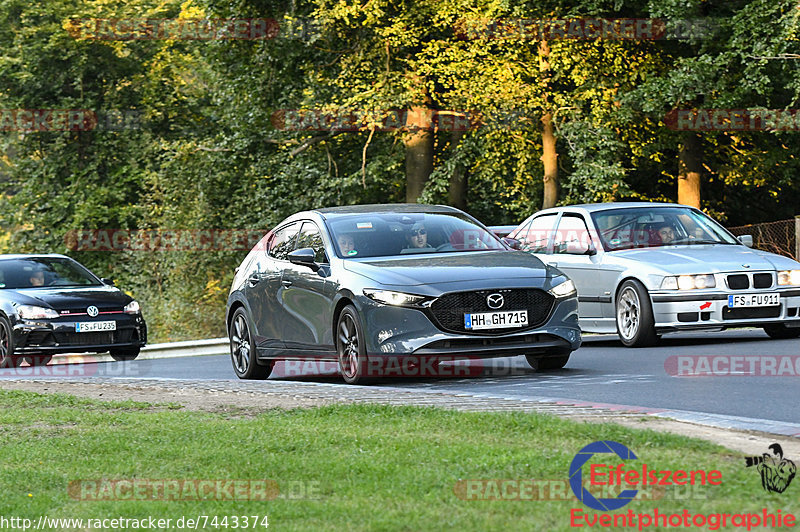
x=738 y=282
x=448 y=310
x=741 y=281
x=762 y=280
x=746 y=313
x=122 y=336
x=39 y=338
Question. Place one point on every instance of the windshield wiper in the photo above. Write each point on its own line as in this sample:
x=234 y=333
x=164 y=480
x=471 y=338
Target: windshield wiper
x=694 y=241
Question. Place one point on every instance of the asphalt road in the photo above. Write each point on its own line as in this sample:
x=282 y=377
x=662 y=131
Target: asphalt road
x=717 y=375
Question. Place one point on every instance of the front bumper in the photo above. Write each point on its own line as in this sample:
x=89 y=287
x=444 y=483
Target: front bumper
x=394 y=330
x=58 y=335
x=709 y=310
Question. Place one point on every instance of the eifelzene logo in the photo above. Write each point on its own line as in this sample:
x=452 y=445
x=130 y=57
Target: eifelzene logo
x=776 y=471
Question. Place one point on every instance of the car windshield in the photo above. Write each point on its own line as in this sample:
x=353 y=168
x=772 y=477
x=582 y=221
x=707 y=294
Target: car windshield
x=44 y=272
x=390 y=234
x=649 y=227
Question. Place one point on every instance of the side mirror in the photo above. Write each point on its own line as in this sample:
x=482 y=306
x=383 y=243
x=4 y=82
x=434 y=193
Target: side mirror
x=107 y=281
x=304 y=257
x=577 y=248
x=513 y=243
x=746 y=240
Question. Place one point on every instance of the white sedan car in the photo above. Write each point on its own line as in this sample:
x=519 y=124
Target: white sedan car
x=644 y=269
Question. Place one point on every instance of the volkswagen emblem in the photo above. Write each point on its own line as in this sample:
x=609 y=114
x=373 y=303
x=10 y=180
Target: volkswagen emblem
x=92 y=311
x=495 y=300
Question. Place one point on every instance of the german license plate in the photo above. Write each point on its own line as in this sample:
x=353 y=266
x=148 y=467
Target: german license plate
x=91 y=326
x=496 y=320
x=754 y=300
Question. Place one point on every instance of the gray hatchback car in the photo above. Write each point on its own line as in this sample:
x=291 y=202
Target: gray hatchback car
x=644 y=269
x=367 y=285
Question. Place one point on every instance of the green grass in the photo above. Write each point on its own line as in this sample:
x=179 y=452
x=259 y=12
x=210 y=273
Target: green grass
x=373 y=467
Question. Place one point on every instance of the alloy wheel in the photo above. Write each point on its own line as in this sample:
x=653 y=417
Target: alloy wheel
x=628 y=313
x=240 y=344
x=348 y=346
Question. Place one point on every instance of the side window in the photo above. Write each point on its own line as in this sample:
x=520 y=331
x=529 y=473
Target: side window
x=310 y=237
x=534 y=237
x=572 y=235
x=283 y=241
x=520 y=231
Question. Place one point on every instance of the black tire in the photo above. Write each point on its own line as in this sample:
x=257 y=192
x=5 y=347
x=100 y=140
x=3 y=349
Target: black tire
x=779 y=331
x=548 y=361
x=7 y=357
x=243 y=352
x=38 y=360
x=634 y=315
x=124 y=354
x=350 y=348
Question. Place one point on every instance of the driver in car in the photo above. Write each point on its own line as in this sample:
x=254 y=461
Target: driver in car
x=417 y=237
x=37 y=278
x=666 y=233
x=346 y=243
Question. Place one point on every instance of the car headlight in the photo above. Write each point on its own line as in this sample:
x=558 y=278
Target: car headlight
x=789 y=278
x=688 y=282
x=32 y=312
x=388 y=297
x=132 y=307
x=567 y=288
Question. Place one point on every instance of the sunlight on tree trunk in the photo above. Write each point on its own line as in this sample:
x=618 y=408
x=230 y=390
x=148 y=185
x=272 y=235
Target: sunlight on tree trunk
x=419 y=151
x=549 y=154
x=690 y=166
x=550 y=160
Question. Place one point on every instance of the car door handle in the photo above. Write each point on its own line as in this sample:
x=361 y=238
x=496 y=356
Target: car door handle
x=254 y=279
x=286 y=283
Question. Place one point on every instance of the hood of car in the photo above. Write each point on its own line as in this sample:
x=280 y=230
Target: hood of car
x=706 y=259
x=450 y=268
x=74 y=299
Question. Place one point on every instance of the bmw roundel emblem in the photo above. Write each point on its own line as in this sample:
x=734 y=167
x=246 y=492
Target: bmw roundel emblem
x=495 y=300
x=92 y=311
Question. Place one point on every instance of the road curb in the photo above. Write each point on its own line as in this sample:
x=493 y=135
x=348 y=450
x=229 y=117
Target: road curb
x=190 y=348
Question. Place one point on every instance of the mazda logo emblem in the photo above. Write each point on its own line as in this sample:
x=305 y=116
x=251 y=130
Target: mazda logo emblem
x=495 y=300
x=92 y=311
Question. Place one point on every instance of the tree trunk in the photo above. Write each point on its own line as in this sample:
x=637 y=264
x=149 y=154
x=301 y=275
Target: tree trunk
x=457 y=191
x=549 y=154
x=419 y=146
x=550 y=161
x=689 y=170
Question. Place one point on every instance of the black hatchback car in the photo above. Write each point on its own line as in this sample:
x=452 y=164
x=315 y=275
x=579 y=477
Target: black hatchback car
x=52 y=304
x=367 y=285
